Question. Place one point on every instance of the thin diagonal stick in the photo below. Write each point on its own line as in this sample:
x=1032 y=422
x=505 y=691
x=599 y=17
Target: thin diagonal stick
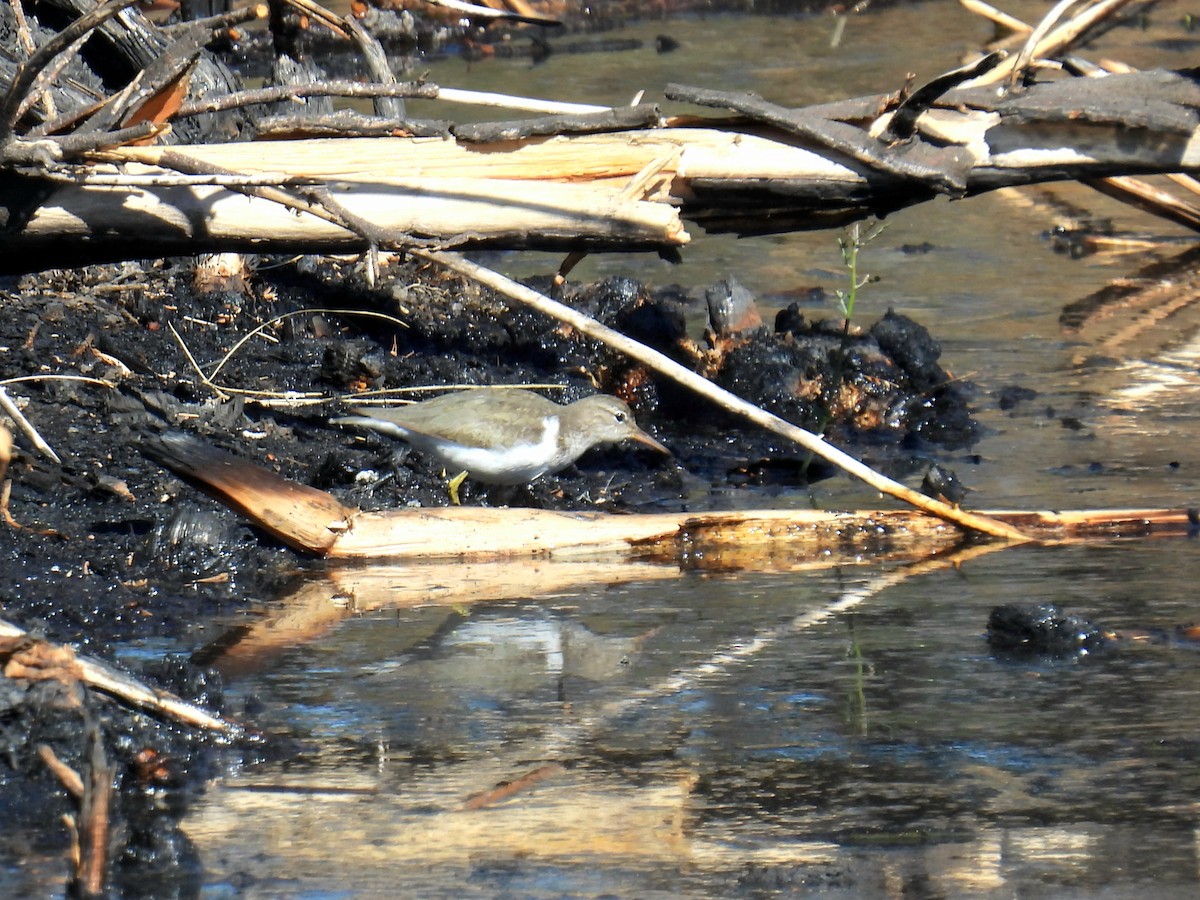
x=6 y=404
x=673 y=370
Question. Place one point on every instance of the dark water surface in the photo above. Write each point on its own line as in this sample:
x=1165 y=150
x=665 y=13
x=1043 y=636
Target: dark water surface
x=843 y=732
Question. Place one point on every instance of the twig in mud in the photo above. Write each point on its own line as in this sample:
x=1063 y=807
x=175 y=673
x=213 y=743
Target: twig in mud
x=66 y=776
x=507 y=789
x=6 y=445
x=91 y=875
x=98 y=675
x=89 y=829
x=667 y=367
x=194 y=364
x=18 y=417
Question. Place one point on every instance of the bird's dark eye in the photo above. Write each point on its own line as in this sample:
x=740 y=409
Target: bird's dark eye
x=621 y=417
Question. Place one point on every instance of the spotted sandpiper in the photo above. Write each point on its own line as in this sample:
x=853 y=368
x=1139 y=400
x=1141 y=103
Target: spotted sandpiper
x=505 y=435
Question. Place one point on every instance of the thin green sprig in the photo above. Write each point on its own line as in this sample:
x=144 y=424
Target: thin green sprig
x=851 y=244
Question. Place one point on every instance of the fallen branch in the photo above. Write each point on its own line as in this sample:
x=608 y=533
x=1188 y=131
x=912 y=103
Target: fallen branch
x=102 y=677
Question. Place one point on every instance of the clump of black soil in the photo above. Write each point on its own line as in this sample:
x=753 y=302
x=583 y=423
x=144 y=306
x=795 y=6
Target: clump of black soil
x=882 y=383
x=879 y=390
x=1042 y=630
x=105 y=550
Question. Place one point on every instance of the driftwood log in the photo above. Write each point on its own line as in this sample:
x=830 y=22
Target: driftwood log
x=73 y=188
x=769 y=169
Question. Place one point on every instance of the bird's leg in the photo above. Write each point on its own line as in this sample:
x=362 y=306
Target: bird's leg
x=454 y=484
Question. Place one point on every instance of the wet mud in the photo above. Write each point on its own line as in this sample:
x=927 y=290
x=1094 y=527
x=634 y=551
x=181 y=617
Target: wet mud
x=108 y=552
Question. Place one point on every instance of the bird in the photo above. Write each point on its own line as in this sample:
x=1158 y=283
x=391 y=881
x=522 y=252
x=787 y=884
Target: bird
x=505 y=436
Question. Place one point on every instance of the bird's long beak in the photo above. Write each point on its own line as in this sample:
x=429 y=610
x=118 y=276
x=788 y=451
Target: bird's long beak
x=642 y=438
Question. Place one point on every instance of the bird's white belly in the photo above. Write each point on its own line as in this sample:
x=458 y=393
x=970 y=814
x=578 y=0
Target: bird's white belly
x=517 y=464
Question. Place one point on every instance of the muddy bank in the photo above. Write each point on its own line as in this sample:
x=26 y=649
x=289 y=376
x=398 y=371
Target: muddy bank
x=107 y=551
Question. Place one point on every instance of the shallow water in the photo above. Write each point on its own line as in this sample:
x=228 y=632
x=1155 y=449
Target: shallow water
x=841 y=730
x=732 y=735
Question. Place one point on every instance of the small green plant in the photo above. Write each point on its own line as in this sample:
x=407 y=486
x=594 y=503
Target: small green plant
x=851 y=243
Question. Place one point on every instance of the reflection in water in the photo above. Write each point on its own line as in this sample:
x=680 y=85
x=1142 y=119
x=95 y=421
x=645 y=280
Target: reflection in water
x=741 y=733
